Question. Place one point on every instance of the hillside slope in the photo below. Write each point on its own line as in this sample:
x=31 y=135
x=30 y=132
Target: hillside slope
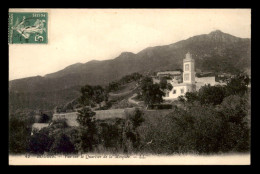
x=216 y=51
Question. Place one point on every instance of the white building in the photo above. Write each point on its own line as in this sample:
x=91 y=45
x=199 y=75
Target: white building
x=190 y=82
x=205 y=81
x=188 y=76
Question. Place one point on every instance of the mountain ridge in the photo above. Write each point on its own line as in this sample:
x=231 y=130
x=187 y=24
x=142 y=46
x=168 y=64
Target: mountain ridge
x=216 y=51
x=213 y=33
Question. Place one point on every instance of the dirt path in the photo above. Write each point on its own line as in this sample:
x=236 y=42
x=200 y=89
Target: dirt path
x=120 y=94
x=130 y=100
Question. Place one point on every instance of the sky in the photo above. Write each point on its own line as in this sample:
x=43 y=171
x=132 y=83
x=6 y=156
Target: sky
x=81 y=35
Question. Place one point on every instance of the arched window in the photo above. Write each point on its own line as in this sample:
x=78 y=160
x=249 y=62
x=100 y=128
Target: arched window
x=187 y=67
x=186 y=77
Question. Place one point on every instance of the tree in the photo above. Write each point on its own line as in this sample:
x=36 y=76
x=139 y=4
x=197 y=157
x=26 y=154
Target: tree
x=19 y=132
x=86 y=117
x=234 y=109
x=113 y=86
x=146 y=82
x=206 y=95
x=130 y=78
x=163 y=83
x=131 y=136
x=91 y=95
x=110 y=134
x=151 y=93
x=182 y=99
x=169 y=86
x=44 y=118
x=40 y=142
x=236 y=131
x=62 y=144
x=87 y=129
x=211 y=94
x=222 y=126
x=137 y=118
x=238 y=85
x=56 y=138
x=86 y=95
x=189 y=97
x=99 y=95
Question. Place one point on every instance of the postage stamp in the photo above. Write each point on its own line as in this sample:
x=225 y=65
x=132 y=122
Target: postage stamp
x=28 y=28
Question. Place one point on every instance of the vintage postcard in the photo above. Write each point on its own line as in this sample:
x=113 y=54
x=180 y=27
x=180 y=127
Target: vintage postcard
x=129 y=86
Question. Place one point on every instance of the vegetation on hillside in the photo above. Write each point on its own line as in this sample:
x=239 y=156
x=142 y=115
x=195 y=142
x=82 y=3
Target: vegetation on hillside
x=164 y=85
x=151 y=93
x=92 y=95
x=20 y=127
x=115 y=85
x=216 y=119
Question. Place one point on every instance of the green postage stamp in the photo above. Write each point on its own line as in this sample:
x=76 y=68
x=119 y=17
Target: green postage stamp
x=28 y=28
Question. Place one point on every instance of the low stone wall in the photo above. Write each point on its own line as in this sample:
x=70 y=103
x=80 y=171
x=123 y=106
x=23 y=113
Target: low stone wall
x=202 y=81
x=71 y=117
x=206 y=80
x=38 y=126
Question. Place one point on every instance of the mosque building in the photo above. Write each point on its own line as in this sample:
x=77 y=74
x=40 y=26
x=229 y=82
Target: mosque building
x=189 y=82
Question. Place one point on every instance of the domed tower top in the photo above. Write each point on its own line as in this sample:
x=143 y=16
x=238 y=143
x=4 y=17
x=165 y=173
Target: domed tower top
x=188 y=57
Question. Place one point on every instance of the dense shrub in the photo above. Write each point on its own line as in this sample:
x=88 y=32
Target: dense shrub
x=160 y=106
x=238 y=85
x=206 y=95
x=211 y=95
x=114 y=86
x=62 y=144
x=40 y=142
x=200 y=129
x=87 y=130
x=235 y=112
x=44 y=118
x=110 y=135
x=132 y=140
x=120 y=135
x=56 y=138
x=151 y=93
x=19 y=132
x=92 y=95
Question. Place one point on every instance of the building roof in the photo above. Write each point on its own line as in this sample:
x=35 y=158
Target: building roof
x=156 y=80
x=188 y=57
x=205 y=79
x=169 y=72
x=39 y=126
x=183 y=84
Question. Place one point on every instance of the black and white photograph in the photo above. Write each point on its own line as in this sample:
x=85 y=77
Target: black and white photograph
x=129 y=86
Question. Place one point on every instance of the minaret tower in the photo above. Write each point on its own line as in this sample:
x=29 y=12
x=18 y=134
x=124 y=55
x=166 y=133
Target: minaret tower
x=188 y=69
